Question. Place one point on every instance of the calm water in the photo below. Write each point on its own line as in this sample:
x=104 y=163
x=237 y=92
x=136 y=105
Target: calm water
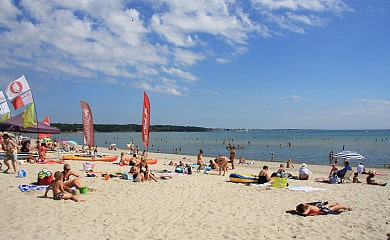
x=310 y=146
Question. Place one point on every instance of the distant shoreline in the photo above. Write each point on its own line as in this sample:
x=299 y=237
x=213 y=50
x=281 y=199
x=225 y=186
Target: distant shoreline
x=77 y=127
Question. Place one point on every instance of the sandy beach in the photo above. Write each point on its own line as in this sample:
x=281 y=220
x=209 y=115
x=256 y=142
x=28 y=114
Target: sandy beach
x=196 y=206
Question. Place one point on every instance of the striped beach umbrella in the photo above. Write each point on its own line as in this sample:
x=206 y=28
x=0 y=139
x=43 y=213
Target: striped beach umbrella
x=349 y=155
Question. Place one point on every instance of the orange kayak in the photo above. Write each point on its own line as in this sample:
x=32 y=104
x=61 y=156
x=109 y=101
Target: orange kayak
x=90 y=158
x=148 y=160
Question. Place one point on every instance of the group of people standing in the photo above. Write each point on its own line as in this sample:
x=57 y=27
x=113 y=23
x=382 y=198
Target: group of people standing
x=221 y=161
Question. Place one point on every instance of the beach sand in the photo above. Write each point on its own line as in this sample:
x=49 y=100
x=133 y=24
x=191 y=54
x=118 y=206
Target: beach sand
x=197 y=206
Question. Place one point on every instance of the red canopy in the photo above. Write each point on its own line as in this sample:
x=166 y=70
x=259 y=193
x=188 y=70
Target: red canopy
x=15 y=124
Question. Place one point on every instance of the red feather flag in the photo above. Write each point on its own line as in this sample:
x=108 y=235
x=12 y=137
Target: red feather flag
x=86 y=113
x=146 y=121
x=45 y=135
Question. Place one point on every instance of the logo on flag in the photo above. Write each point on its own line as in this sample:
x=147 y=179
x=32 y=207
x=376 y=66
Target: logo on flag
x=17 y=87
x=2 y=98
x=22 y=100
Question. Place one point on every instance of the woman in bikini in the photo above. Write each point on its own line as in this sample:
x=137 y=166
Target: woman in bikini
x=145 y=170
x=69 y=183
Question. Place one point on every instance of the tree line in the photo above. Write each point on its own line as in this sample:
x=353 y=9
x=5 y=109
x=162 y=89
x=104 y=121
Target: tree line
x=76 y=127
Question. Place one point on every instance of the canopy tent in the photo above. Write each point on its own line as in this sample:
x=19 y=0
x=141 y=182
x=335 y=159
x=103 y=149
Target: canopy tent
x=15 y=124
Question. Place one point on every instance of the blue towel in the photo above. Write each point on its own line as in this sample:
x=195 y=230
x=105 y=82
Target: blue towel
x=25 y=187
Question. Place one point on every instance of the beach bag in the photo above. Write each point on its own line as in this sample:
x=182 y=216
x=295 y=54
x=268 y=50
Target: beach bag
x=45 y=177
x=179 y=169
x=189 y=170
x=333 y=179
x=279 y=182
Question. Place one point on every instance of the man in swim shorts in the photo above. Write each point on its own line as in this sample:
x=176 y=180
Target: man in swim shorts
x=11 y=150
x=324 y=207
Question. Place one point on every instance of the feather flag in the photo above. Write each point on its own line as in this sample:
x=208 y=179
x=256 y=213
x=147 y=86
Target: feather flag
x=17 y=87
x=22 y=100
x=146 y=121
x=5 y=117
x=29 y=116
x=45 y=135
x=86 y=114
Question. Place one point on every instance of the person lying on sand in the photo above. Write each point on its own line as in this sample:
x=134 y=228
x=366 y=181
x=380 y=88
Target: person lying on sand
x=315 y=207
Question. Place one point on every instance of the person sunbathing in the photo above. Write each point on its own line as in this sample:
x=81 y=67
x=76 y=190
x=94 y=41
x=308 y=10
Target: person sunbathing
x=372 y=181
x=355 y=178
x=289 y=163
x=264 y=176
x=304 y=172
x=69 y=183
x=333 y=170
x=145 y=170
x=320 y=207
x=213 y=165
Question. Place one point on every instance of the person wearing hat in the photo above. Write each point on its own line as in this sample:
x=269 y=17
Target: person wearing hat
x=361 y=169
x=304 y=172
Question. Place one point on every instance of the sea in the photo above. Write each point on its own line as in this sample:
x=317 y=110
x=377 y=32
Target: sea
x=308 y=146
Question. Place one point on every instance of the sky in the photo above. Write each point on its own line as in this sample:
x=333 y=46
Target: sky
x=265 y=64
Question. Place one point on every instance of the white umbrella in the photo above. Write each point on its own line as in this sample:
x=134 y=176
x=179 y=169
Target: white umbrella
x=71 y=142
x=349 y=155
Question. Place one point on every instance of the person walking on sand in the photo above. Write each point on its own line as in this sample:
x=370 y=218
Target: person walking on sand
x=11 y=152
x=199 y=160
x=58 y=189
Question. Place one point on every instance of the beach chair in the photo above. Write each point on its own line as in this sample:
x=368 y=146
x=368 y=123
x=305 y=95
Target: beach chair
x=347 y=176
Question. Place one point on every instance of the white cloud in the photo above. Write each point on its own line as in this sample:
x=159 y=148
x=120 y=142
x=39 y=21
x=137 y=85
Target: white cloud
x=185 y=76
x=292 y=97
x=142 y=40
x=311 y=5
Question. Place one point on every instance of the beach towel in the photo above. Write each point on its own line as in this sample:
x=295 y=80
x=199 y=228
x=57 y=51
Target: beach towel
x=293 y=212
x=306 y=188
x=51 y=161
x=25 y=187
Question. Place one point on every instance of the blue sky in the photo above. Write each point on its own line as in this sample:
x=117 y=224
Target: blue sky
x=226 y=64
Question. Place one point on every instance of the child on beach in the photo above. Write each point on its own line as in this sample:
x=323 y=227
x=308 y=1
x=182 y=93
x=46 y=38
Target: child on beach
x=356 y=178
x=199 y=160
x=58 y=189
x=372 y=181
